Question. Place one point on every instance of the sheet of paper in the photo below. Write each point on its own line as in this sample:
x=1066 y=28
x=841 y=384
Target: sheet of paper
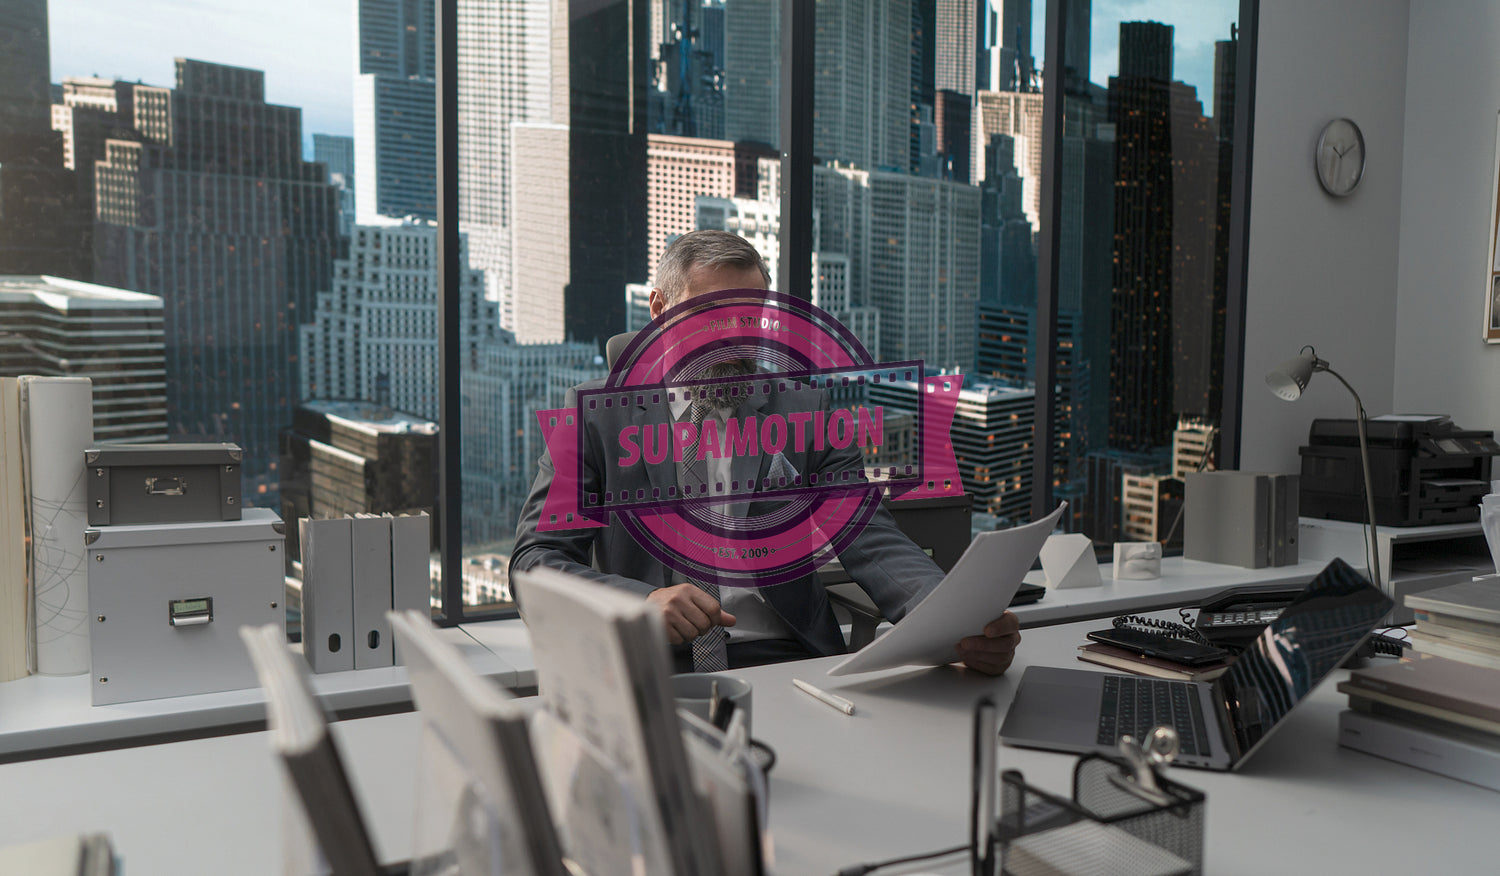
x=977 y=590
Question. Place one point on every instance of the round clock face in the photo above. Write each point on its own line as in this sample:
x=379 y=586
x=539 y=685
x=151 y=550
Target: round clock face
x=1340 y=157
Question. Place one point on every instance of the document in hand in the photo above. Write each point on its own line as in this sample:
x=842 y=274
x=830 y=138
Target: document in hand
x=975 y=592
x=480 y=808
x=604 y=670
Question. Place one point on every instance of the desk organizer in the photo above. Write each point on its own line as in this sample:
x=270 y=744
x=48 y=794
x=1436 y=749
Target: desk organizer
x=1105 y=829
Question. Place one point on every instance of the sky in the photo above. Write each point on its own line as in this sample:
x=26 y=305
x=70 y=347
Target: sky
x=306 y=47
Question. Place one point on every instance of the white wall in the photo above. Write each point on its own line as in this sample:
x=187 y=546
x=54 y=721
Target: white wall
x=1452 y=97
x=1323 y=270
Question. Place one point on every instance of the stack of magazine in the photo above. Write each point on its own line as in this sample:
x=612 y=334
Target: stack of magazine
x=1439 y=711
x=629 y=793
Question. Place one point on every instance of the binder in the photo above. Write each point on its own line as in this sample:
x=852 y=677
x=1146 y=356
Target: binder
x=327 y=594
x=411 y=574
x=370 y=550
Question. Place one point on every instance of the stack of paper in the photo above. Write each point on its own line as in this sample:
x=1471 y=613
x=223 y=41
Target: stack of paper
x=604 y=671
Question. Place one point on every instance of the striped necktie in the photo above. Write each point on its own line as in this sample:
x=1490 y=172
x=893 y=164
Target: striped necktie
x=710 y=650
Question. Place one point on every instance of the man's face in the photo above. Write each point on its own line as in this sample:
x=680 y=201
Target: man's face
x=703 y=279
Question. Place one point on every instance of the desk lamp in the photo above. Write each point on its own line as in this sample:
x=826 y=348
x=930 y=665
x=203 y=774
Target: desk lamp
x=1287 y=381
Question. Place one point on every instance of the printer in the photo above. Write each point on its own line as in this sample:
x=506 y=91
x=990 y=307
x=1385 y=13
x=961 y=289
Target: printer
x=1424 y=470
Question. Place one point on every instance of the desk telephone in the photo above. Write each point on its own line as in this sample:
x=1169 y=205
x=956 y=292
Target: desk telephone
x=1222 y=626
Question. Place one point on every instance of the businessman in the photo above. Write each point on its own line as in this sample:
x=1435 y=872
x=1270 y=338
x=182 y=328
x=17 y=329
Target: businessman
x=714 y=628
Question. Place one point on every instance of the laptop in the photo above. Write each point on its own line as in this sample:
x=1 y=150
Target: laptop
x=1220 y=723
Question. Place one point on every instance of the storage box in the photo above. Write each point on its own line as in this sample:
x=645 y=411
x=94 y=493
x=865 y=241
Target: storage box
x=166 y=602
x=163 y=483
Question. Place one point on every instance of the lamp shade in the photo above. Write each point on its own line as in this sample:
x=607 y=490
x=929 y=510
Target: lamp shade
x=1289 y=378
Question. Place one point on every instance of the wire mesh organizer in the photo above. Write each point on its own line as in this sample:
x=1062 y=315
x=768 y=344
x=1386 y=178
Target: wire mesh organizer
x=1108 y=826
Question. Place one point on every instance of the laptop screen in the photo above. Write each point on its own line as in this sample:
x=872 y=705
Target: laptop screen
x=1313 y=635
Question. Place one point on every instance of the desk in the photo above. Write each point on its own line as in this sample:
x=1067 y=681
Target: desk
x=41 y=713
x=1182 y=582
x=888 y=780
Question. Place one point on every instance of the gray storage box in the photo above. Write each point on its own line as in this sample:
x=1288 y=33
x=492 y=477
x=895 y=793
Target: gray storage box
x=166 y=602
x=163 y=483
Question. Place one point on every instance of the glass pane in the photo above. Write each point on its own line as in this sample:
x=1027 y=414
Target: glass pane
x=1148 y=148
x=218 y=190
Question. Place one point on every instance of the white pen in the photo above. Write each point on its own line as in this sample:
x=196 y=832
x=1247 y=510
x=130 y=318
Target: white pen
x=837 y=702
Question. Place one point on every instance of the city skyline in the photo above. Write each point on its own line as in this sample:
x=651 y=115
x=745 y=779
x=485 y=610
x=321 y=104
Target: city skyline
x=93 y=37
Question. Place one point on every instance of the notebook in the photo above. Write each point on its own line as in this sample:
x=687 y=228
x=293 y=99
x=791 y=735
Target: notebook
x=1222 y=722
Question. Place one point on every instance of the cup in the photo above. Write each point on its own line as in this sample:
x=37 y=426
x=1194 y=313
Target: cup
x=694 y=692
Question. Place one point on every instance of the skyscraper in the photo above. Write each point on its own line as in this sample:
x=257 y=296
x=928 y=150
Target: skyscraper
x=337 y=154
x=1165 y=204
x=752 y=71
x=607 y=76
x=395 y=110
x=679 y=170
x=512 y=69
x=111 y=336
x=924 y=268
x=862 y=84
x=502 y=439
x=1011 y=57
x=956 y=43
x=372 y=336
x=44 y=223
x=214 y=210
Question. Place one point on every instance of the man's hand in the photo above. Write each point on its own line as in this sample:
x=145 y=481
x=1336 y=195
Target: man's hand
x=992 y=652
x=689 y=612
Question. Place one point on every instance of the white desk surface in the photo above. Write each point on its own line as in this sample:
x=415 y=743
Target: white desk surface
x=889 y=780
x=41 y=712
x=1182 y=582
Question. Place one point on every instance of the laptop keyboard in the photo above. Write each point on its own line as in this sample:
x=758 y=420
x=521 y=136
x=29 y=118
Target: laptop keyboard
x=1136 y=706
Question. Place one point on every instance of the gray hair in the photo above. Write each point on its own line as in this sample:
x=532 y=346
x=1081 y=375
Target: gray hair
x=708 y=248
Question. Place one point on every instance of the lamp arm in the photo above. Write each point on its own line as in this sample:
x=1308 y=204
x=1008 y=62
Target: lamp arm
x=1364 y=456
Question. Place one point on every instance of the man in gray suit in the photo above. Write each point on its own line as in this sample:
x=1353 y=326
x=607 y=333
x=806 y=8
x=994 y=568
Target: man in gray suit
x=747 y=625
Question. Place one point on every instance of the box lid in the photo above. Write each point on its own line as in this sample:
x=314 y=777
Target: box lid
x=257 y=524
x=163 y=454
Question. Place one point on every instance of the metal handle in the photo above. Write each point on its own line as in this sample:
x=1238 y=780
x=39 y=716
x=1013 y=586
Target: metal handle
x=166 y=486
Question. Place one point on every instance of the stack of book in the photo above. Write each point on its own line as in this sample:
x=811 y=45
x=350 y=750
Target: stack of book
x=1440 y=710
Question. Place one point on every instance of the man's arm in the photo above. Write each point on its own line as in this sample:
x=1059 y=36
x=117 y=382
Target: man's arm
x=687 y=610
x=897 y=574
x=567 y=550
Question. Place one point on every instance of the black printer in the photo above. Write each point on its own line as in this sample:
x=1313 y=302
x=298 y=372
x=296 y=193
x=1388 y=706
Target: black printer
x=1424 y=471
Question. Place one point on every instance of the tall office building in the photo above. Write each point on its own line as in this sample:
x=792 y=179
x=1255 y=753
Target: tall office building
x=1008 y=265
x=752 y=71
x=112 y=336
x=954 y=64
x=924 y=268
x=44 y=223
x=395 y=110
x=502 y=439
x=1016 y=114
x=541 y=245
x=1192 y=446
x=1011 y=59
x=680 y=170
x=607 y=77
x=1148 y=505
x=214 y=210
x=337 y=154
x=687 y=95
x=341 y=458
x=954 y=135
x=1007 y=346
x=862 y=84
x=922 y=52
x=1165 y=206
x=1106 y=470
x=992 y=441
x=373 y=335
x=512 y=61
